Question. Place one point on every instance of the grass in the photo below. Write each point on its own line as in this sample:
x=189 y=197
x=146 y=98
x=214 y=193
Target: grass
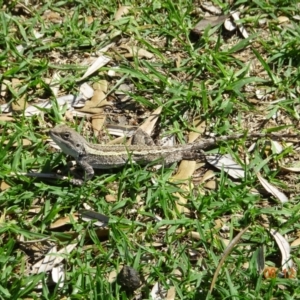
x=216 y=78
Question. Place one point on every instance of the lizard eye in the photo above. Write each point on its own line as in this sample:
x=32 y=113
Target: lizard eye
x=66 y=135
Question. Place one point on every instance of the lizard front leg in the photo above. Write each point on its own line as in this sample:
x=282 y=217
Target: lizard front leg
x=88 y=171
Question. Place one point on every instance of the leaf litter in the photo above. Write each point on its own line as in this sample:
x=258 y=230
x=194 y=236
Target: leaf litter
x=52 y=260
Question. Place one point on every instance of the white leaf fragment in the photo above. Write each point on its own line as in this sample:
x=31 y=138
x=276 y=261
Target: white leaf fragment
x=242 y=29
x=37 y=109
x=101 y=61
x=52 y=259
x=229 y=25
x=285 y=249
x=58 y=275
x=272 y=189
x=47 y=263
x=86 y=91
x=226 y=163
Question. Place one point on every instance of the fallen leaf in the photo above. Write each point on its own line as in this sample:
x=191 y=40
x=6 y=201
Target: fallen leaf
x=110 y=198
x=52 y=258
x=226 y=163
x=285 y=249
x=212 y=185
x=242 y=29
x=122 y=11
x=209 y=21
x=25 y=143
x=207 y=176
x=101 y=61
x=101 y=85
x=282 y=19
x=54 y=83
x=52 y=16
x=211 y=8
x=139 y=52
x=63 y=221
x=112 y=276
x=171 y=294
x=290 y=169
x=98 y=122
x=295 y=243
x=4 y=186
x=86 y=90
x=272 y=189
x=58 y=275
x=229 y=25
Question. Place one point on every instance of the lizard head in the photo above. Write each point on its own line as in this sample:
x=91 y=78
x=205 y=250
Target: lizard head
x=70 y=142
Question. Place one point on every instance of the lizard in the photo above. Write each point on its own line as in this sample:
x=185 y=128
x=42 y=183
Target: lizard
x=91 y=156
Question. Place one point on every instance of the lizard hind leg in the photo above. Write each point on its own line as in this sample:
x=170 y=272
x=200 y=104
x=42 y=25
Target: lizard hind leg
x=193 y=154
x=141 y=137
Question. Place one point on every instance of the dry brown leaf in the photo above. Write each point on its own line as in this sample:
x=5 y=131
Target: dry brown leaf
x=154 y=244
x=212 y=185
x=277 y=147
x=282 y=19
x=110 y=198
x=63 y=221
x=200 y=128
x=171 y=294
x=4 y=88
x=4 y=186
x=187 y=168
x=101 y=85
x=90 y=110
x=25 y=142
x=47 y=263
x=195 y=235
x=20 y=103
x=98 y=122
x=36 y=109
x=89 y=20
x=207 y=176
x=218 y=224
x=157 y=291
x=52 y=16
x=295 y=243
x=98 y=97
x=122 y=11
x=149 y=124
x=112 y=276
x=139 y=52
